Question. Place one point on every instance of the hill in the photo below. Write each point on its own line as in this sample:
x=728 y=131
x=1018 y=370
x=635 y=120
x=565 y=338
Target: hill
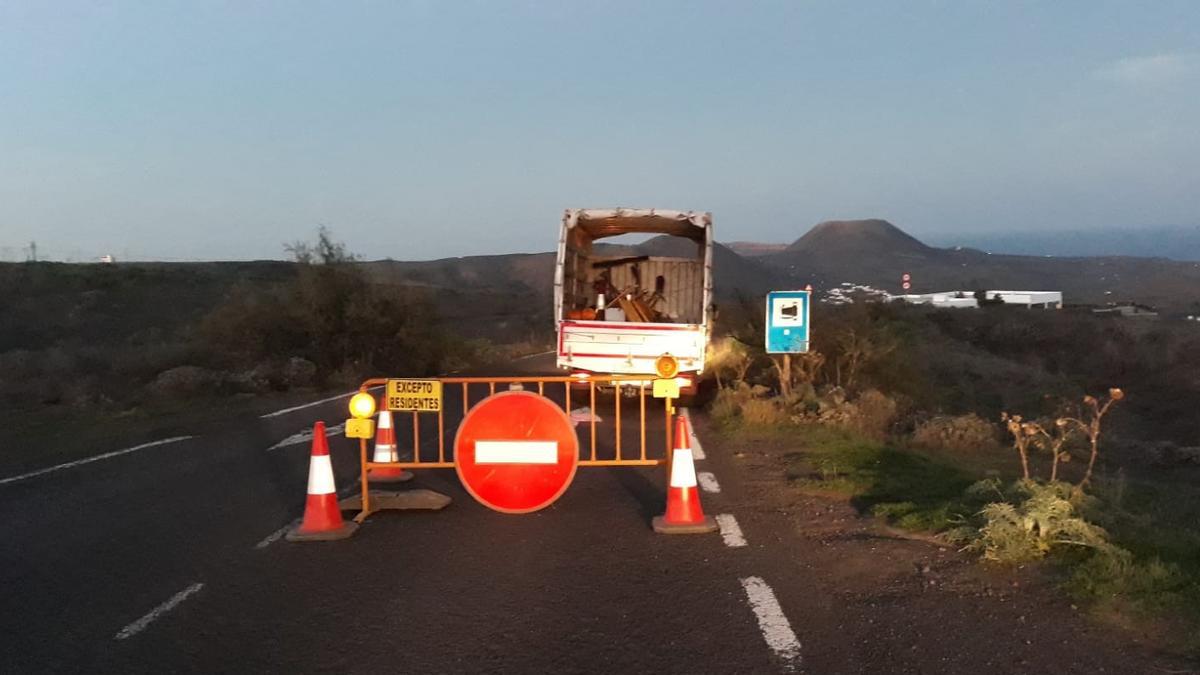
x=871 y=238
x=751 y=249
x=532 y=274
x=877 y=253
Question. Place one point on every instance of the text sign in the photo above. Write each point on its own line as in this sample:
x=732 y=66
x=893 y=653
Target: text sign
x=413 y=395
x=787 y=322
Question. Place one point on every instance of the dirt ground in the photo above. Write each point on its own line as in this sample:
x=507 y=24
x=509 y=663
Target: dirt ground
x=891 y=601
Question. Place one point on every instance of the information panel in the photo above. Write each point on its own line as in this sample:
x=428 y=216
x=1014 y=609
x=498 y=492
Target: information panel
x=787 y=322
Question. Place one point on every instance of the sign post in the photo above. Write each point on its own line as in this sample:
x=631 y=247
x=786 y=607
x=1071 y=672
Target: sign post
x=787 y=322
x=787 y=330
x=516 y=452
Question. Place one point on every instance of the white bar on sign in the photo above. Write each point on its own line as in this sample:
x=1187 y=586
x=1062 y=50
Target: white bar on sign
x=516 y=452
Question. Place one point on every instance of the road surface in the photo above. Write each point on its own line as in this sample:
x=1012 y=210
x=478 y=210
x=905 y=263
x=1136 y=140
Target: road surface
x=170 y=558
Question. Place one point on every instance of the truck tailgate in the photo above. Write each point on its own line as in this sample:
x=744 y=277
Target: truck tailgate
x=629 y=347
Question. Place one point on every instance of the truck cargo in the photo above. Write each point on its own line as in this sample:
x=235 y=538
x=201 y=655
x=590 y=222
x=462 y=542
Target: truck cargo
x=618 y=309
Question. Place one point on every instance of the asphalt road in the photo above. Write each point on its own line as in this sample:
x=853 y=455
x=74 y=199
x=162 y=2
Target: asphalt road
x=168 y=559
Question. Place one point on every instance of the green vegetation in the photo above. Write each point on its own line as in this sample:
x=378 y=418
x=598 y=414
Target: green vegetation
x=904 y=488
x=90 y=353
x=1128 y=549
x=910 y=436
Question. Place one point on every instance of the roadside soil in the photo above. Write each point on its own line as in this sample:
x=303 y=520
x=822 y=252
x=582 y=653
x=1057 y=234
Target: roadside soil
x=875 y=599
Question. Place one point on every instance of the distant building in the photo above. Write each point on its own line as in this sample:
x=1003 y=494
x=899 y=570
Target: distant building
x=960 y=299
x=1043 y=299
x=107 y=259
x=947 y=299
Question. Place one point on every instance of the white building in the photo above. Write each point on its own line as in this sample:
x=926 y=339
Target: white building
x=1043 y=299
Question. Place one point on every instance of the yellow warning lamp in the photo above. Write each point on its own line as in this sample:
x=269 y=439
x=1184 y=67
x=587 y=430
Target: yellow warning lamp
x=362 y=405
x=666 y=366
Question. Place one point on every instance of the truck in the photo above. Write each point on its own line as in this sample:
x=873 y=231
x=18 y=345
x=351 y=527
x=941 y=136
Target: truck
x=619 y=309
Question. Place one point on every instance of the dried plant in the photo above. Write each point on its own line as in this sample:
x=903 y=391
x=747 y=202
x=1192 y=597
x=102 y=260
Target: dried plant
x=793 y=369
x=1027 y=435
x=1089 y=422
x=1022 y=433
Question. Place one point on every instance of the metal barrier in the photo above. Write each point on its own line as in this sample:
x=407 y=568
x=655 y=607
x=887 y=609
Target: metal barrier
x=469 y=386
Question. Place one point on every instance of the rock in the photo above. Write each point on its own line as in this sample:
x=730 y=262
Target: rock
x=184 y=381
x=256 y=380
x=298 y=372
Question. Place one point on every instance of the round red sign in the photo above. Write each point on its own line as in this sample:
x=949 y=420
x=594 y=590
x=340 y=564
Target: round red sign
x=516 y=452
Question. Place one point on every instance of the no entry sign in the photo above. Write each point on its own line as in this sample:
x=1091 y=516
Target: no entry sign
x=516 y=452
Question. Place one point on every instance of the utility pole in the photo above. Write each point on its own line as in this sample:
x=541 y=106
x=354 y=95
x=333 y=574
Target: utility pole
x=33 y=251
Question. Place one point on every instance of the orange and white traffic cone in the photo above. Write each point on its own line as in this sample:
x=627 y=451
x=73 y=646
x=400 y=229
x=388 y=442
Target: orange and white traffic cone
x=385 y=451
x=684 y=515
x=322 y=517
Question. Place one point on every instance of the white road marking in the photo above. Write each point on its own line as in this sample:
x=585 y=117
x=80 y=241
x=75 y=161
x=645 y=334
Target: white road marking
x=730 y=532
x=774 y=625
x=584 y=414
x=285 y=411
x=276 y=535
x=306 y=435
x=697 y=449
x=708 y=482
x=89 y=460
x=516 y=452
x=140 y=625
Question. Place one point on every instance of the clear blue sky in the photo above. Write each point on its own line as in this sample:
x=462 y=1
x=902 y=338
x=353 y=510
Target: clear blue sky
x=431 y=129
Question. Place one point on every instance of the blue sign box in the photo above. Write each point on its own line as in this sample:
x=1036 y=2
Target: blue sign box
x=787 y=322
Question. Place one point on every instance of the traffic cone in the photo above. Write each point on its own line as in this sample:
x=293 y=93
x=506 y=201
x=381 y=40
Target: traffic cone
x=385 y=451
x=322 y=518
x=684 y=515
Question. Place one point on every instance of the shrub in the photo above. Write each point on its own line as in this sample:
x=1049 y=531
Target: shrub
x=764 y=412
x=728 y=358
x=744 y=403
x=876 y=412
x=725 y=406
x=1034 y=520
x=955 y=432
x=331 y=315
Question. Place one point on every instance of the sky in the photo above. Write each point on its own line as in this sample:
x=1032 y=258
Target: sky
x=416 y=130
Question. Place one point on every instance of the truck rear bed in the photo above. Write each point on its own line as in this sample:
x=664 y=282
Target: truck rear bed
x=628 y=347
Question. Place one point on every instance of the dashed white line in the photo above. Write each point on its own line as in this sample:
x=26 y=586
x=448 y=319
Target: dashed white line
x=730 y=532
x=697 y=449
x=306 y=436
x=771 y=621
x=708 y=482
x=140 y=625
x=276 y=535
x=89 y=460
x=285 y=411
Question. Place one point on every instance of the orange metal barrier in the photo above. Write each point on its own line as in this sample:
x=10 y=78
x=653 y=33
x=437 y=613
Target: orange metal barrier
x=472 y=390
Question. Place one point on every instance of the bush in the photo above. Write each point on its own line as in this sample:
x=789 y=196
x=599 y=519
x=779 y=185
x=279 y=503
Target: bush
x=876 y=412
x=955 y=432
x=728 y=359
x=764 y=412
x=743 y=403
x=1034 y=520
x=332 y=316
